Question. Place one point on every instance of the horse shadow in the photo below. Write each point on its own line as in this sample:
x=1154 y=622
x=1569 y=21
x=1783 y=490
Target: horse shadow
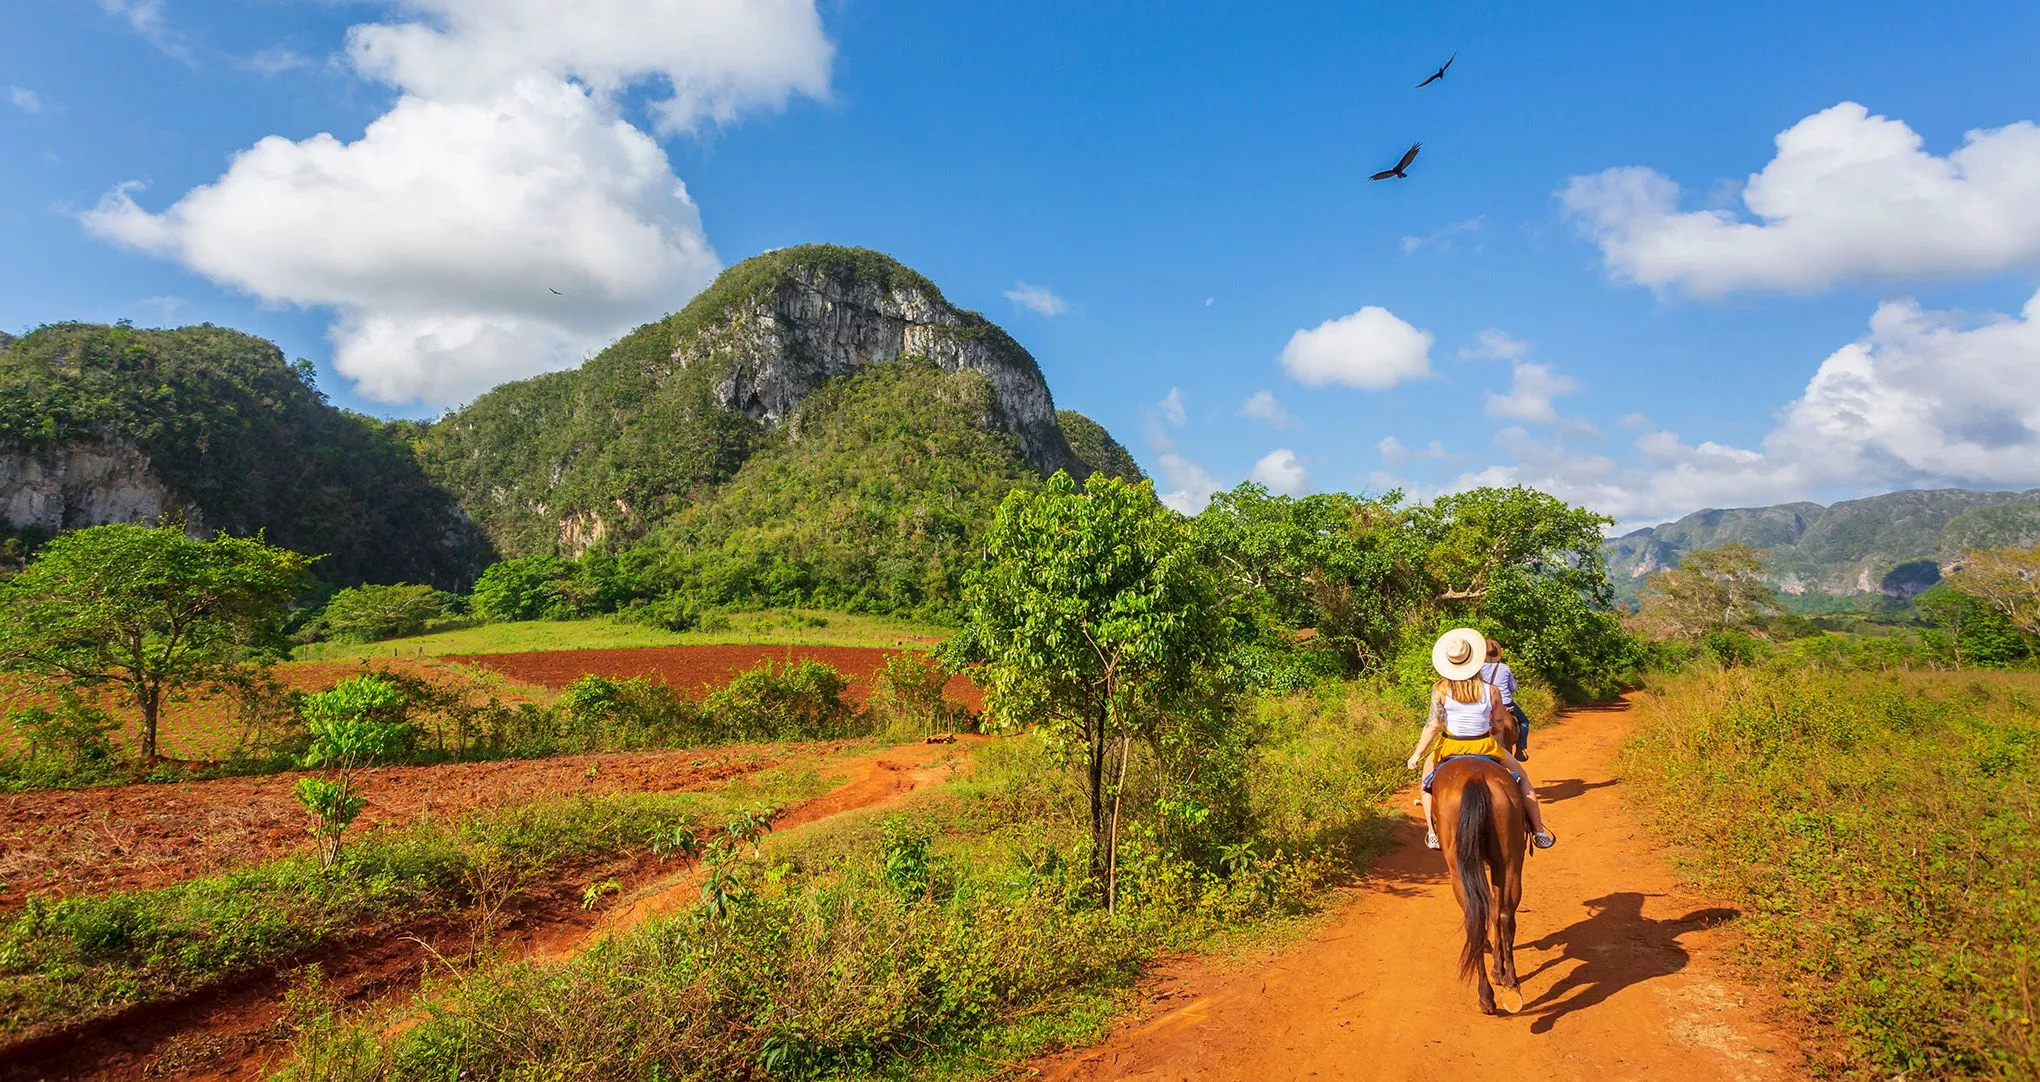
x=1551 y=792
x=1615 y=948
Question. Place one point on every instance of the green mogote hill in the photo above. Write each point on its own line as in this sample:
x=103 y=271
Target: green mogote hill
x=817 y=400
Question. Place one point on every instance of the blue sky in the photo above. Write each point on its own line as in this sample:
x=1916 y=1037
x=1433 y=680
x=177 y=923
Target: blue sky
x=1606 y=275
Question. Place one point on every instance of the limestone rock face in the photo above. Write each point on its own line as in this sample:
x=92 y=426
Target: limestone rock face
x=769 y=351
x=84 y=484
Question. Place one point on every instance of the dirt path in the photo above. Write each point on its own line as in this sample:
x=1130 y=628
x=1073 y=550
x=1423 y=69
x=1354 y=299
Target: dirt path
x=1622 y=970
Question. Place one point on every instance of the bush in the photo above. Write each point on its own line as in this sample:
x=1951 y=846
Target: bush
x=598 y=712
x=71 y=745
x=526 y=588
x=907 y=698
x=799 y=700
x=374 y=613
x=1878 y=832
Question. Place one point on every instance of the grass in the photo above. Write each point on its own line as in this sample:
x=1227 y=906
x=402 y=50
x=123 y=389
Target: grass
x=780 y=627
x=1882 y=834
x=950 y=937
x=70 y=961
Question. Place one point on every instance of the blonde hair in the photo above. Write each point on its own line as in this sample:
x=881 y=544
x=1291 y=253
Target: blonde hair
x=1464 y=691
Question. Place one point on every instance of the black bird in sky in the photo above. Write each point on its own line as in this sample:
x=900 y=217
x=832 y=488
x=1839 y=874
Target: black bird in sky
x=556 y=292
x=1409 y=156
x=1440 y=73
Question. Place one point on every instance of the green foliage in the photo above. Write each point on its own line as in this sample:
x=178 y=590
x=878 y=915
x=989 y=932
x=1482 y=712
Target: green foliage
x=71 y=745
x=148 y=610
x=524 y=588
x=359 y=721
x=797 y=700
x=234 y=430
x=1969 y=631
x=1878 y=833
x=373 y=613
x=907 y=698
x=1095 y=447
x=1093 y=618
x=1721 y=589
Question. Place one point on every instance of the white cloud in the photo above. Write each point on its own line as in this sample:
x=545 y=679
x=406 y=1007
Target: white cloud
x=1209 y=301
x=145 y=17
x=1039 y=299
x=1262 y=406
x=1186 y=486
x=1922 y=399
x=1282 y=472
x=1394 y=454
x=1171 y=406
x=719 y=57
x=24 y=99
x=1532 y=387
x=1370 y=349
x=1849 y=195
x=502 y=173
x=276 y=60
x=1441 y=238
x=1494 y=344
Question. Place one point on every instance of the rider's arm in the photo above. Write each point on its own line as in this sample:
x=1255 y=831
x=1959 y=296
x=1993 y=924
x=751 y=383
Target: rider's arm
x=1432 y=726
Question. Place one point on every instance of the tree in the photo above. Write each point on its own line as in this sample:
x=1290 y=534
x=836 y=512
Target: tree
x=373 y=613
x=2007 y=580
x=1971 y=630
x=1712 y=590
x=360 y=720
x=1092 y=617
x=148 y=610
x=526 y=588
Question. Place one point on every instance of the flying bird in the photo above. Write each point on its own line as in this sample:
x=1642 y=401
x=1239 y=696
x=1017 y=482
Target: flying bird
x=556 y=292
x=1440 y=73
x=1409 y=156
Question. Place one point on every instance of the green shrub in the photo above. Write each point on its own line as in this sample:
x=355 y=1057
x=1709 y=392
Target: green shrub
x=71 y=745
x=373 y=613
x=1879 y=833
x=526 y=588
x=798 y=700
x=907 y=699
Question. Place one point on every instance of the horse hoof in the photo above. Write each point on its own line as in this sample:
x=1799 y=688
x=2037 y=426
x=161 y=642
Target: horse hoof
x=1510 y=1000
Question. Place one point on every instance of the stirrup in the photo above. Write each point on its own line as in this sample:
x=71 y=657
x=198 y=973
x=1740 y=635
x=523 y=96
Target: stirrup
x=1431 y=839
x=1544 y=839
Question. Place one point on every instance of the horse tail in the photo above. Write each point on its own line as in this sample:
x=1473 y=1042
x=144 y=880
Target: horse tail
x=1476 y=828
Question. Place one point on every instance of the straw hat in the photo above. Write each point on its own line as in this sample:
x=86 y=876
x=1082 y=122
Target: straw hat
x=1459 y=653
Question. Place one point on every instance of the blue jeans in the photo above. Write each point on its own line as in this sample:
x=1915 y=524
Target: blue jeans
x=1522 y=729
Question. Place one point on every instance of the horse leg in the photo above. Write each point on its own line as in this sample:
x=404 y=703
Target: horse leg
x=1506 y=870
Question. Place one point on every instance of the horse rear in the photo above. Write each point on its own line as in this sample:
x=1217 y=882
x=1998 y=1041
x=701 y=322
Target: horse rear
x=1485 y=835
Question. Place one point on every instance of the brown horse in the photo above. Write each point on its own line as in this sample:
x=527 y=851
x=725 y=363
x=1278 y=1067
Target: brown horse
x=1485 y=835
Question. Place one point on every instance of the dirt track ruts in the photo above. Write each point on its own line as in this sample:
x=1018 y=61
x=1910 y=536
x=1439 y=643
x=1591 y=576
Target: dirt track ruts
x=1623 y=970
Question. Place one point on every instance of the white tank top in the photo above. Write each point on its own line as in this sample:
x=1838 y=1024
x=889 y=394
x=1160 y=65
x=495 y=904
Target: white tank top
x=1467 y=721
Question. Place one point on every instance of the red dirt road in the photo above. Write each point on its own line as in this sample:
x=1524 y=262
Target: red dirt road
x=689 y=668
x=1623 y=971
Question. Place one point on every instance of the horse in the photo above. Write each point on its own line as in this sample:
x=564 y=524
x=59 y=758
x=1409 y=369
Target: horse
x=1485 y=835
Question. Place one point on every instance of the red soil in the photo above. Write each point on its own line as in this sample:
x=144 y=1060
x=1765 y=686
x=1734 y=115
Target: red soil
x=136 y=836
x=694 y=669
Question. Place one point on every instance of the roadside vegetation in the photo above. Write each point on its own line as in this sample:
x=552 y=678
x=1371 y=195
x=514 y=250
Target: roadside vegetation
x=1869 y=802
x=774 y=627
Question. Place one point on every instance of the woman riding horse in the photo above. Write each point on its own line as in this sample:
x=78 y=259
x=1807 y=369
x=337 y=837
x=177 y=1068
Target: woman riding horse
x=1467 y=717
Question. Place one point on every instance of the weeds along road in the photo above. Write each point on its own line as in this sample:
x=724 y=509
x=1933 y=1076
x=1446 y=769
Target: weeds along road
x=1623 y=971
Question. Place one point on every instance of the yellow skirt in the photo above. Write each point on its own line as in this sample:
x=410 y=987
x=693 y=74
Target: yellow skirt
x=1448 y=746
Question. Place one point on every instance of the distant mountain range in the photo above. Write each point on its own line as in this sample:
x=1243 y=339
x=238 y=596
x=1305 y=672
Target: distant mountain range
x=1894 y=545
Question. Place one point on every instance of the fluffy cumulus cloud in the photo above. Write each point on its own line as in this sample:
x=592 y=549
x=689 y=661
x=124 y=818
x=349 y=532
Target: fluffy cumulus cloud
x=1282 y=472
x=1923 y=398
x=1532 y=387
x=24 y=99
x=1371 y=349
x=1494 y=344
x=1262 y=406
x=1185 y=486
x=502 y=218
x=1038 y=299
x=1849 y=195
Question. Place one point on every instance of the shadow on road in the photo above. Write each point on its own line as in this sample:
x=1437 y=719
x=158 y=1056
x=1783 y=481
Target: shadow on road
x=1551 y=792
x=1616 y=947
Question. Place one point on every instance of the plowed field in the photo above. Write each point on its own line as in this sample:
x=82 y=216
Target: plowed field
x=694 y=669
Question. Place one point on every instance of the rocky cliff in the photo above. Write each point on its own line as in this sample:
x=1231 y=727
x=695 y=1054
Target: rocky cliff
x=1894 y=545
x=668 y=415
x=88 y=483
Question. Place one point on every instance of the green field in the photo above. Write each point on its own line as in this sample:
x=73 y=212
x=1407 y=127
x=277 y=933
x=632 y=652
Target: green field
x=779 y=627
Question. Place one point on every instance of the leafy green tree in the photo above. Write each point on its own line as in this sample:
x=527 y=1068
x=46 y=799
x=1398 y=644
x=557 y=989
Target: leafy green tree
x=148 y=610
x=2006 y=579
x=361 y=720
x=1969 y=630
x=373 y=613
x=1092 y=617
x=1712 y=590
x=526 y=588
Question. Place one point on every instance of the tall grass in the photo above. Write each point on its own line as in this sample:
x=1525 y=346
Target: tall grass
x=784 y=627
x=952 y=936
x=1882 y=833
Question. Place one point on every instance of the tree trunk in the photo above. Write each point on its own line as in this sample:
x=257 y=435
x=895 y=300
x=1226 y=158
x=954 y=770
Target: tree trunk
x=1112 y=836
x=1095 y=776
x=151 y=703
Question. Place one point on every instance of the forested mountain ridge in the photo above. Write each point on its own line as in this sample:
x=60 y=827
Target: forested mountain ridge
x=657 y=422
x=1894 y=545
x=113 y=424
